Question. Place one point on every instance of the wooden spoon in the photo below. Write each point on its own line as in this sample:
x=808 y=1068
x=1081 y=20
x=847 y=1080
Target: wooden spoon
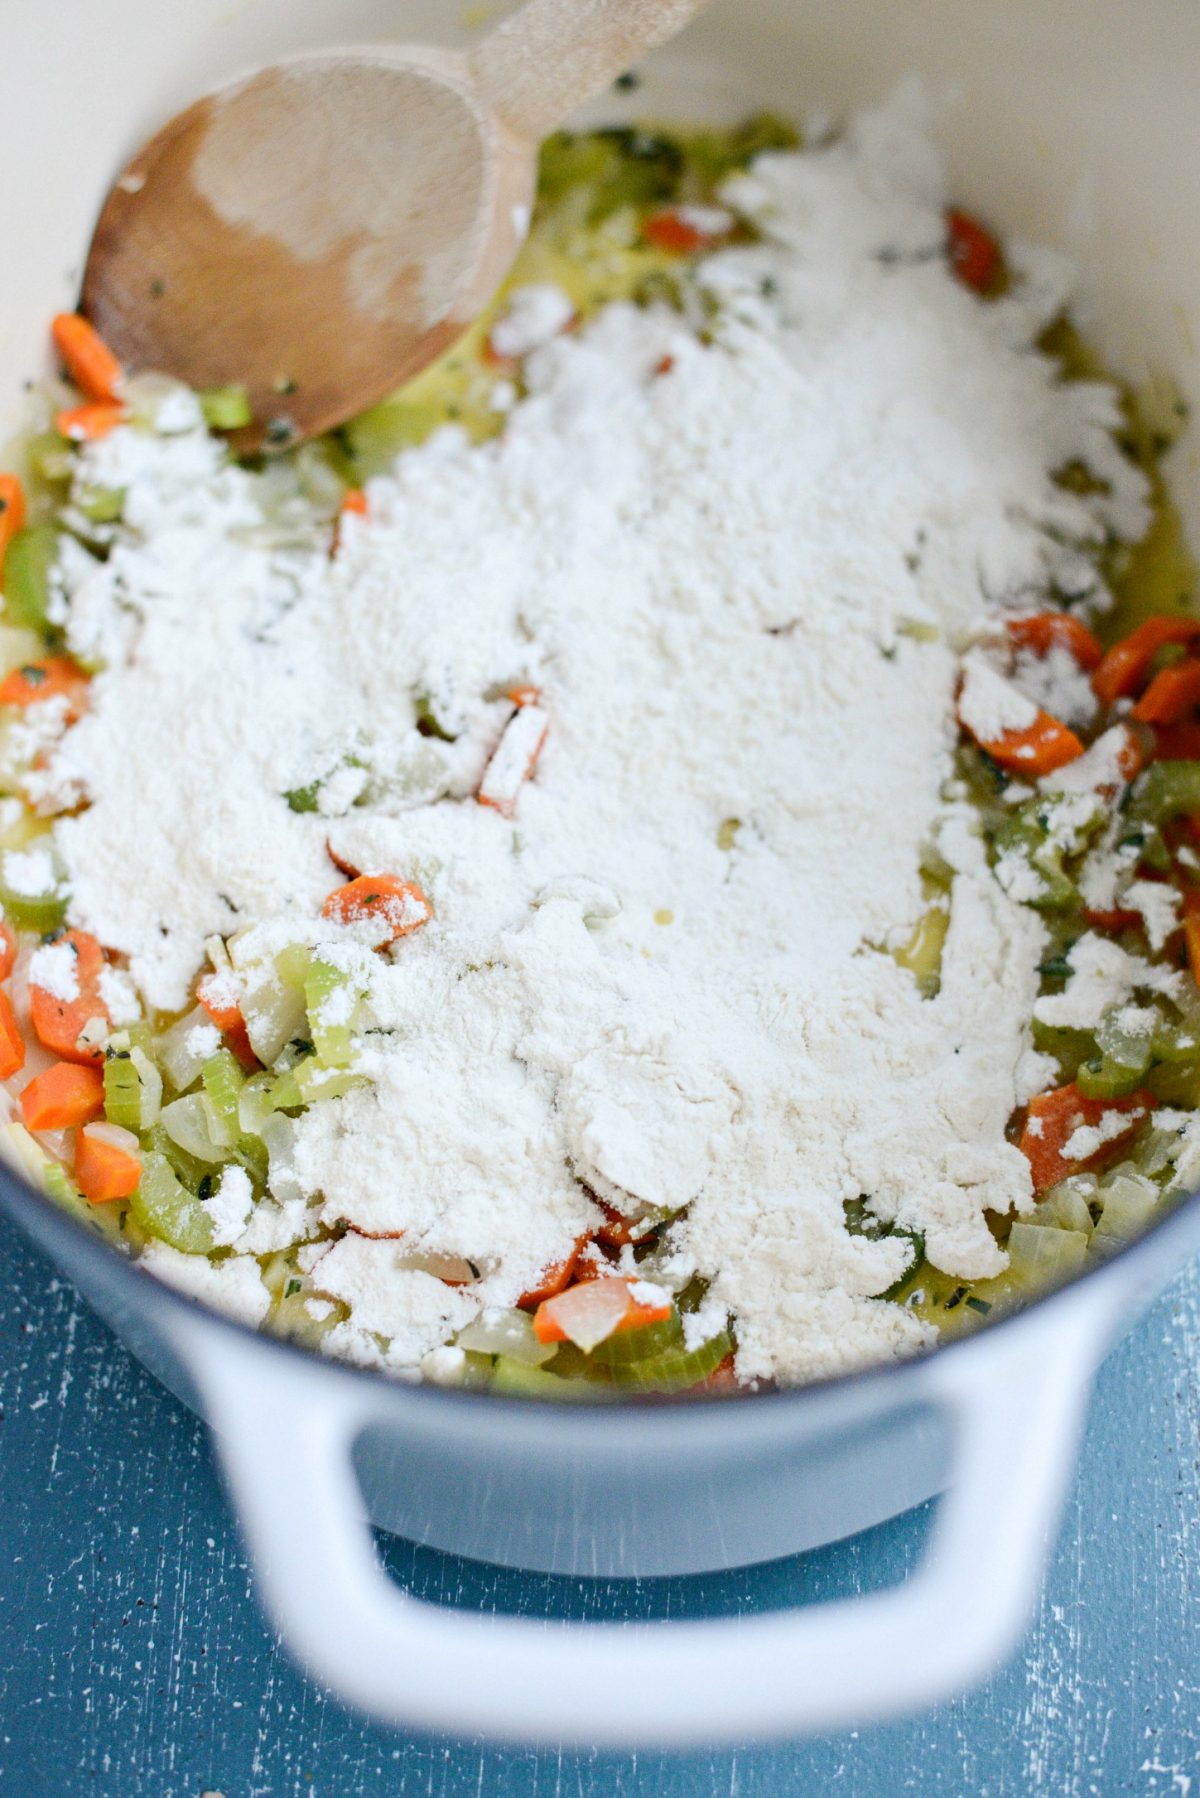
x=323 y=229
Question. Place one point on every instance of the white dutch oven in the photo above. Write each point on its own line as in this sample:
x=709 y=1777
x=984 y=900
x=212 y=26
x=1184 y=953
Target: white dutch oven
x=1071 y=119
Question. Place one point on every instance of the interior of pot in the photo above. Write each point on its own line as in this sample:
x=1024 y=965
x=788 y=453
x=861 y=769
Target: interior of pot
x=1071 y=121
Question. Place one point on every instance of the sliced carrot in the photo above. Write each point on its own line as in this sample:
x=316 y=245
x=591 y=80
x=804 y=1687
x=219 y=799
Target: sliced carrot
x=1039 y=749
x=226 y=1014
x=524 y=695
x=1172 y=696
x=679 y=235
x=974 y=251
x=86 y=357
x=399 y=904
x=63 y=1096
x=35 y=681
x=355 y=500
x=1126 y=665
x=514 y=758
x=87 y=424
x=587 y=1314
x=104 y=1170
x=1054 y=1117
x=1113 y=920
x=12 y=511
x=8 y=951
x=1044 y=631
x=340 y=862
x=1191 y=929
x=59 y=1023
x=553 y=1279
x=12 y=1043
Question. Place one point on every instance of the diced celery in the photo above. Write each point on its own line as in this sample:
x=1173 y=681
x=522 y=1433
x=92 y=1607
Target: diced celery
x=223 y=1081
x=18 y=646
x=1039 y=1257
x=166 y=1210
x=254 y=1103
x=27 y=564
x=225 y=408
x=331 y=999
x=132 y=1089
x=284 y=1093
x=193 y=1123
x=646 y=1344
x=316 y=1081
x=675 y=1369
x=42 y=912
x=1164 y=790
x=51 y=457
x=374 y=439
x=303 y=799
x=292 y=965
x=1104 y=1079
x=517 y=1379
x=102 y=505
x=502 y=1332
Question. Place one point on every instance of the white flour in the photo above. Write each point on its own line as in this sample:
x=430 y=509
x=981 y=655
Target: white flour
x=741 y=586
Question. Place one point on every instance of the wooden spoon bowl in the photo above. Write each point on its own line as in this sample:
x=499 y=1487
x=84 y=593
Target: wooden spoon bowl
x=323 y=229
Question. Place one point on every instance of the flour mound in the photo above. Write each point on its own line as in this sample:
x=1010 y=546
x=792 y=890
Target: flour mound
x=743 y=587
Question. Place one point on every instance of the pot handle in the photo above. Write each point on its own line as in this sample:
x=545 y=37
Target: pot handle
x=1017 y=1404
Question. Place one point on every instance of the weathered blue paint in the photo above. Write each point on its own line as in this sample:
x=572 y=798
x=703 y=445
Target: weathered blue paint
x=133 y=1663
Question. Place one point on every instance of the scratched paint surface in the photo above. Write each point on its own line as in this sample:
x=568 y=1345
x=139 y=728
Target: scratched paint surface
x=133 y=1663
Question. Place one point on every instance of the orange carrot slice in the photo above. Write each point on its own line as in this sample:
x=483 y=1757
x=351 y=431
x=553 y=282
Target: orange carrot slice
x=1053 y=1119
x=8 y=951
x=677 y=234
x=63 y=1096
x=974 y=252
x=12 y=1043
x=397 y=906
x=514 y=758
x=1039 y=749
x=87 y=424
x=1126 y=665
x=86 y=357
x=35 y=681
x=12 y=511
x=1044 y=631
x=222 y=1007
x=107 y=1166
x=1171 y=697
x=553 y=1279
x=59 y=1023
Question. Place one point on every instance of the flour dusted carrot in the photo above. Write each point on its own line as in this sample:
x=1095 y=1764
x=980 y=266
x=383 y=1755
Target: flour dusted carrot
x=34 y=681
x=553 y=1279
x=1054 y=1118
x=60 y=1022
x=685 y=230
x=86 y=357
x=397 y=907
x=62 y=1097
x=87 y=424
x=1171 y=697
x=107 y=1165
x=1043 y=631
x=218 y=994
x=974 y=252
x=8 y=952
x=1127 y=664
x=12 y=511
x=12 y=1043
x=1039 y=749
x=514 y=758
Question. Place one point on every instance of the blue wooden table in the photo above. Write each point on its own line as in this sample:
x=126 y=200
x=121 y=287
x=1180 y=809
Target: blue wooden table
x=134 y=1663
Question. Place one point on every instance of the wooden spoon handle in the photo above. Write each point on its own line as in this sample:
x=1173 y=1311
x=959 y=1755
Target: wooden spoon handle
x=551 y=55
